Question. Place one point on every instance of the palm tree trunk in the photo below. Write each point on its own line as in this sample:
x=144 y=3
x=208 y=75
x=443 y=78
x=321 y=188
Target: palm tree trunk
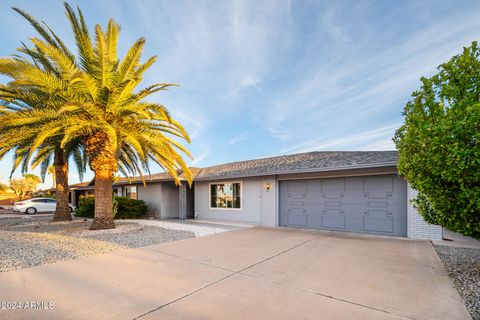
x=62 y=210
x=103 y=200
x=104 y=164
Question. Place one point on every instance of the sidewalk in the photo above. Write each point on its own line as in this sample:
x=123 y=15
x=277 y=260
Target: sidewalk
x=453 y=239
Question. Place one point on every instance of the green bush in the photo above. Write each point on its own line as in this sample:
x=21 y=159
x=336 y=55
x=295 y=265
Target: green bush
x=126 y=208
x=130 y=208
x=85 y=207
x=439 y=144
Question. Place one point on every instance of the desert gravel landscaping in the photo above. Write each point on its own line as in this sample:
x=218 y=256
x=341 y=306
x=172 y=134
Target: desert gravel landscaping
x=24 y=245
x=463 y=266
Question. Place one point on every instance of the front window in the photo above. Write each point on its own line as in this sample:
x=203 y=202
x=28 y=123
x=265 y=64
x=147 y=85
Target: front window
x=131 y=192
x=225 y=195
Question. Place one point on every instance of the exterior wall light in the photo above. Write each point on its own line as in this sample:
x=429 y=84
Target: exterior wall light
x=268 y=186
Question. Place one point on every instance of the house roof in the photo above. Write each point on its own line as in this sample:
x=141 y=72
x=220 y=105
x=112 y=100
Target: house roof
x=80 y=185
x=286 y=164
x=301 y=162
x=156 y=177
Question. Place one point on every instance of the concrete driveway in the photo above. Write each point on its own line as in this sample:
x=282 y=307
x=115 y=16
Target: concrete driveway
x=255 y=273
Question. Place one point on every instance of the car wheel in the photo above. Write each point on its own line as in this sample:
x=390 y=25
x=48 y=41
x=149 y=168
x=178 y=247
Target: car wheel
x=31 y=210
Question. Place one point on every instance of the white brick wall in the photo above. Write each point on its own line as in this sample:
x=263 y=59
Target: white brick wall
x=417 y=227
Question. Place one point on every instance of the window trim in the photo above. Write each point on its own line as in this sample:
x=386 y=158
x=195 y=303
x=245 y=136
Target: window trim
x=125 y=191
x=225 y=182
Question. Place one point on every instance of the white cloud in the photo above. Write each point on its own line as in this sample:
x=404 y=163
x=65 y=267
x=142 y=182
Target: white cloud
x=258 y=30
x=280 y=134
x=238 y=138
x=250 y=81
x=360 y=86
x=193 y=123
x=334 y=28
x=198 y=159
x=376 y=138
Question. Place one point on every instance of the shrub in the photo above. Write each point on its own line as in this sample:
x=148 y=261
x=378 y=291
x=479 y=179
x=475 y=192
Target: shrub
x=85 y=207
x=439 y=144
x=126 y=208
x=130 y=208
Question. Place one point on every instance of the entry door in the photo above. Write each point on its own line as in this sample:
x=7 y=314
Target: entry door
x=370 y=204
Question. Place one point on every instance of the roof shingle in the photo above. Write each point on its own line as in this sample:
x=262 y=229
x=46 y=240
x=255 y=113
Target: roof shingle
x=302 y=162
x=293 y=163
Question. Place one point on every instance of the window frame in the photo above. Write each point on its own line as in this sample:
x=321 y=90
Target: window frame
x=126 y=195
x=224 y=182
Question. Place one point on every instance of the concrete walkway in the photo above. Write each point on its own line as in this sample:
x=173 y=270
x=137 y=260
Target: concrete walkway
x=453 y=239
x=254 y=273
x=199 y=227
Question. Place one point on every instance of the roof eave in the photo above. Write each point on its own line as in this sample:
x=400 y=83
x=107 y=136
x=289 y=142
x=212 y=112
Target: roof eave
x=262 y=174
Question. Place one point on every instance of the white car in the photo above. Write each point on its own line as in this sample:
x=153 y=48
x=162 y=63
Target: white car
x=34 y=205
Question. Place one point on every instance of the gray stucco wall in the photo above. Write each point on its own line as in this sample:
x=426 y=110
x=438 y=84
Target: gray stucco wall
x=269 y=210
x=258 y=205
x=161 y=198
x=151 y=194
x=169 y=200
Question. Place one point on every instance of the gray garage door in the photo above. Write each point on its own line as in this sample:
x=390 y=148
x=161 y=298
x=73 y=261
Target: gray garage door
x=370 y=204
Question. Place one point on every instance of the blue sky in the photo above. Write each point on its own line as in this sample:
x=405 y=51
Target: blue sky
x=262 y=78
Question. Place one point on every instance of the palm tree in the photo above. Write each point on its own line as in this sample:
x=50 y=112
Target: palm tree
x=21 y=139
x=101 y=107
x=3 y=187
x=113 y=119
x=20 y=136
x=21 y=96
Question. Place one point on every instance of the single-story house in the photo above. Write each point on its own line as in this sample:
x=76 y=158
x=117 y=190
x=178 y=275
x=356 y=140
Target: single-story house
x=354 y=191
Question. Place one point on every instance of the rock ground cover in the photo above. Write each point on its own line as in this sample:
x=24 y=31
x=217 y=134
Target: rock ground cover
x=24 y=245
x=463 y=267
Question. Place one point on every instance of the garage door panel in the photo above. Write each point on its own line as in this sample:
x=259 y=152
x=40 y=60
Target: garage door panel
x=353 y=183
x=333 y=185
x=314 y=186
x=333 y=218
x=353 y=211
x=371 y=204
x=333 y=188
x=378 y=221
x=297 y=217
x=298 y=186
x=333 y=203
x=380 y=183
x=355 y=224
x=315 y=211
x=398 y=210
x=297 y=203
x=315 y=222
x=377 y=204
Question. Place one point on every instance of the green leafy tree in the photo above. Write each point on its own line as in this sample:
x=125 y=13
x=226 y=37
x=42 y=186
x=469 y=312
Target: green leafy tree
x=25 y=186
x=439 y=144
x=96 y=101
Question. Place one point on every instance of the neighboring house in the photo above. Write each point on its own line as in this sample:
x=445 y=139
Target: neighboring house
x=357 y=191
x=160 y=193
